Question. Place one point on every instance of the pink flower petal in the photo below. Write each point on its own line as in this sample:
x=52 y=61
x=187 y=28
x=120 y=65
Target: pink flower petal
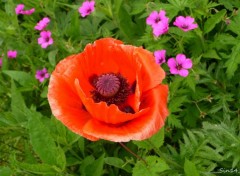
x=152 y=18
x=171 y=63
x=187 y=64
x=183 y=72
x=180 y=58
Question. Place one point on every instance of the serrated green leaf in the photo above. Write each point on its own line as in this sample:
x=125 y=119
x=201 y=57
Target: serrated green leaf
x=173 y=121
x=176 y=102
x=23 y=78
x=154 y=167
x=43 y=143
x=233 y=62
x=190 y=168
x=213 y=20
x=191 y=82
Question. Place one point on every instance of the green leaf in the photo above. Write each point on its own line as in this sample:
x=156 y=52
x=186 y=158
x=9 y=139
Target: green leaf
x=155 y=165
x=213 y=20
x=43 y=143
x=190 y=81
x=52 y=57
x=23 y=78
x=190 y=168
x=176 y=102
x=5 y=171
x=211 y=54
x=96 y=167
x=17 y=104
x=173 y=121
x=117 y=162
x=43 y=169
x=156 y=141
x=233 y=62
x=126 y=25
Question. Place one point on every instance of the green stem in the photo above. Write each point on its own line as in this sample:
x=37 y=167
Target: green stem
x=134 y=154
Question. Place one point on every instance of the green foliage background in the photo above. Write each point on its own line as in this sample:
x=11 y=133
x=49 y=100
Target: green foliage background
x=202 y=132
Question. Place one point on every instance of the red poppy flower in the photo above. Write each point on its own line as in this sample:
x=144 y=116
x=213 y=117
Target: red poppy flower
x=109 y=91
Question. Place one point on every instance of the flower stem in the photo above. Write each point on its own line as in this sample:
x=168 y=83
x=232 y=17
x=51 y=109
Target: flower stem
x=134 y=154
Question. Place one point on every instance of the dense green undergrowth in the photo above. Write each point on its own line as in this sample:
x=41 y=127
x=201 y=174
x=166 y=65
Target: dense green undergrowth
x=202 y=132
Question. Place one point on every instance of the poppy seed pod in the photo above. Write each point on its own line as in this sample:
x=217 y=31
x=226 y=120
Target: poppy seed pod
x=109 y=91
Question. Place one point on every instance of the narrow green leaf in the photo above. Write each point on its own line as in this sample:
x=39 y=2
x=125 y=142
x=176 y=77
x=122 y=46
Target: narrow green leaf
x=233 y=62
x=190 y=168
x=43 y=143
x=154 y=166
x=17 y=104
x=213 y=20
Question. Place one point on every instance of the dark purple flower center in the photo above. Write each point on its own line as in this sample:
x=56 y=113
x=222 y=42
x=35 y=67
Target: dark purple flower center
x=112 y=88
x=108 y=85
x=184 y=26
x=47 y=39
x=89 y=10
x=157 y=19
x=179 y=66
x=42 y=74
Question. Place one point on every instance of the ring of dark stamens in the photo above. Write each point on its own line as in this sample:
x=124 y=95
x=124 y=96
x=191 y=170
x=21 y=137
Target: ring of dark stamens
x=119 y=96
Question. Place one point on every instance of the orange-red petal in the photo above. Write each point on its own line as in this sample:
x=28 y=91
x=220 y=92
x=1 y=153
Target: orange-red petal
x=104 y=113
x=66 y=105
x=151 y=73
x=139 y=128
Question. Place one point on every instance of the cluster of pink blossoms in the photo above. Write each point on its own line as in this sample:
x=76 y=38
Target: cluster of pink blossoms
x=160 y=22
x=178 y=65
x=86 y=8
x=19 y=10
x=160 y=25
x=11 y=54
x=45 y=38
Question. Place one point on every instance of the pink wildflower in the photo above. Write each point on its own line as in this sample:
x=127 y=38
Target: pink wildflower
x=87 y=8
x=28 y=12
x=185 y=23
x=19 y=10
x=180 y=65
x=12 y=54
x=42 y=24
x=1 y=62
x=155 y=18
x=161 y=28
x=45 y=39
x=160 y=56
x=41 y=75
